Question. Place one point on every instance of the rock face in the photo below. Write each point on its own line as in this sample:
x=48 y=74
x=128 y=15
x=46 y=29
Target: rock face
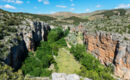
x=30 y=37
x=110 y=49
x=63 y=76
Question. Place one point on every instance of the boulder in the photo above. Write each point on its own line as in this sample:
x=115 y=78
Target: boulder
x=59 y=76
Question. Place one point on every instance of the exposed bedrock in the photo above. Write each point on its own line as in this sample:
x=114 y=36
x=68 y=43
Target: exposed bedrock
x=110 y=48
x=30 y=38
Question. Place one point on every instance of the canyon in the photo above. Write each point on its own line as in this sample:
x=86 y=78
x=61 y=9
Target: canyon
x=107 y=41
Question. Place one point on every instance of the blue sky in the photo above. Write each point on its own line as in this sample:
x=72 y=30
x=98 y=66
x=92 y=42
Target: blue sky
x=52 y=6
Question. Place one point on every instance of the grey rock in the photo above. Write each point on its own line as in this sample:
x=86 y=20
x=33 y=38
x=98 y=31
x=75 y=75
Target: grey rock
x=87 y=79
x=63 y=76
x=26 y=39
x=59 y=76
x=73 y=77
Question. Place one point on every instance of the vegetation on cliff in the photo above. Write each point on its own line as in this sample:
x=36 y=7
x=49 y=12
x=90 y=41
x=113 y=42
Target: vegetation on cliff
x=6 y=73
x=42 y=58
x=91 y=67
x=37 y=63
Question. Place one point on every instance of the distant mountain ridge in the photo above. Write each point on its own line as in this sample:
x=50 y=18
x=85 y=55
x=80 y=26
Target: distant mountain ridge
x=69 y=14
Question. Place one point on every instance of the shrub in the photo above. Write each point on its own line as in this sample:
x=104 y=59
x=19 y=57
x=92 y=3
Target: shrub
x=58 y=44
x=6 y=73
x=76 y=20
x=37 y=63
x=110 y=13
x=91 y=67
x=55 y=35
x=78 y=51
x=90 y=62
x=44 y=53
x=66 y=32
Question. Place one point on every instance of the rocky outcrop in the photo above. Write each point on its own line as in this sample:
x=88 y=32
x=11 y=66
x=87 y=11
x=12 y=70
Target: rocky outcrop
x=63 y=76
x=110 y=48
x=28 y=37
x=58 y=76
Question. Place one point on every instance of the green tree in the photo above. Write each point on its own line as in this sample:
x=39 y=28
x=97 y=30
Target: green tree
x=91 y=67
x=37 y=64
x=55 y=35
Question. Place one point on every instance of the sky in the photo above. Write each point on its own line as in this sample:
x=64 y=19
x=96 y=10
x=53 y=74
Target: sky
x=53 y=6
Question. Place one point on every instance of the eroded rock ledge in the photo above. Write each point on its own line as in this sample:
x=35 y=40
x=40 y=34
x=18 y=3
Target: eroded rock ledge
x=110 y=48
x=27 y=39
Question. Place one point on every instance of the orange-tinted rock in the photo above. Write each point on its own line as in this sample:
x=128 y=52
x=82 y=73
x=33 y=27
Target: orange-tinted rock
x=110 y=49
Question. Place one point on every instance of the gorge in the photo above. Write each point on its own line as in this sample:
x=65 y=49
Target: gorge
x=94 y=34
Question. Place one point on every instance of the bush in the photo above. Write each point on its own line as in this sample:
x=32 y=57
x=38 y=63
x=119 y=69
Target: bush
x=66 y=32
x=5 y=29
x=110 y=13
x=58 y=44
x=76 y=20
x=90 y=62
x=37 y=63
x=55 y=35
x=78 y=51
x=44 y=53
x=91 y=67
x=6 y=73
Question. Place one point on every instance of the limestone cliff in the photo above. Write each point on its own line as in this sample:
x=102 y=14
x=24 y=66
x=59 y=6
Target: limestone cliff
x=110 y=48
x=25 y=40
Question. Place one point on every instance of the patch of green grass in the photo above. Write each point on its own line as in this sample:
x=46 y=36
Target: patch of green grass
x=66 y=62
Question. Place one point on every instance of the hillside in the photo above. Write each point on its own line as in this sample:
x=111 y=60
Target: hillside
x=65 y=45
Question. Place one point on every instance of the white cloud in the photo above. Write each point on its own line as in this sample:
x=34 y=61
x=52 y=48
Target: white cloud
x=9 y=1
x=87 y=10
x=72 y=9
x=7 y=6
x=71 y=0
x=98 y=6
x=19 y=2
x=61 y=6
x=46 y=2
x=72 y=4
x=39 y=0
x=123 y=6
x=14 y=1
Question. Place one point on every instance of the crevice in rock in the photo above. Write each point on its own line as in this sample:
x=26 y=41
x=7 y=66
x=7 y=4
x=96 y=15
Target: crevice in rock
x=17 y=55
x=115 y=53
x=29 y=40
